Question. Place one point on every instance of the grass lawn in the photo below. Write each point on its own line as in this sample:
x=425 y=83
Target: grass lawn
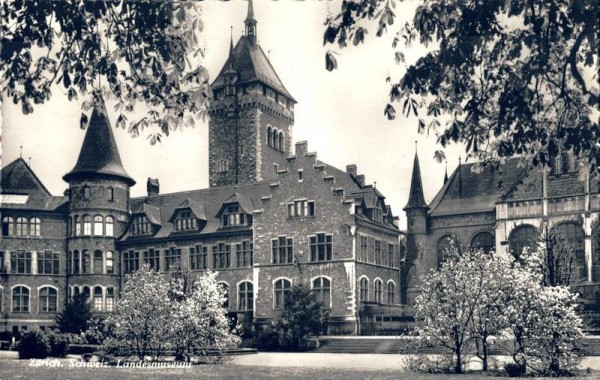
x=21 y=369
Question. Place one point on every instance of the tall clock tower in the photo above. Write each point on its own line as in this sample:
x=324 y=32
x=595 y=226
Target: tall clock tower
x=251 y=115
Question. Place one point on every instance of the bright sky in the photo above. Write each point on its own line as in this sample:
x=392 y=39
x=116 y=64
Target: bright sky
x=340 y=113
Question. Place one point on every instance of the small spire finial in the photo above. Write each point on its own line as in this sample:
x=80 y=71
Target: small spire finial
x=375 y=184
x=21 y=152
x=29 y=162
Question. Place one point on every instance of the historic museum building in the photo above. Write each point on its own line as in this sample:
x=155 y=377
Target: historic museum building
x=272 y=217
x=505 y=209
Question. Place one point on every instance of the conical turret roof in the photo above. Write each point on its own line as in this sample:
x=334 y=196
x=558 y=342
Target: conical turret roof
x=416 y=198
x=99 y=153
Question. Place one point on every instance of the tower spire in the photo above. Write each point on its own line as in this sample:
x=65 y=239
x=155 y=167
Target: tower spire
x=416 y=198
x=446 y=174
x=460 y=177
x=250 y=23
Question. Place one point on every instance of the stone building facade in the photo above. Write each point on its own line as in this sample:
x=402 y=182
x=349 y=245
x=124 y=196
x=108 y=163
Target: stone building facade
x=506 y=209
x=271 y=218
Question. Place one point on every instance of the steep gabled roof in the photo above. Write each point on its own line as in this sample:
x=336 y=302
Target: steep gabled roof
x=18 y=178
x=469 y=190
x=252 y=65
x=99 y=153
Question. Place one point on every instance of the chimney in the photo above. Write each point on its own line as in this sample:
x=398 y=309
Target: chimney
x=301 y=148
x=153 y=186
x=351 y=169
x=361 y=179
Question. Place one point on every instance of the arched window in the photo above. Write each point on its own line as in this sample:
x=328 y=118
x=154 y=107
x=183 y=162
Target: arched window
x=76 y=291
x=225 y=287
x=269 y=136
x=20 y=299
x=573 y=238
x=110 y=299
x=378 y=290
x=35 y=227
x=363 y=285
x=86 y=293
x=483 y=241
x=281 y=142
x=521 y=237
x=8 y=226
x=86 y=262
x=444 y=246
x=110 y=262
x=98 y=262
x=21 y=226
x=98 y=221
x=391 y=292
x=98 y=298
x=245 y=296
x=281 y=288
x=275 y=139
x=48 y=300
x=75 y=268
x=77 y=226
x=321 y=287
x=87 y=225
x=109 y=225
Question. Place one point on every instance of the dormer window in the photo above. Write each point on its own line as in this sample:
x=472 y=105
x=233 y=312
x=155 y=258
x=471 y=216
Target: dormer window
x=233 y=216
x=186 y=221
x=377 y=214
x=141 y=226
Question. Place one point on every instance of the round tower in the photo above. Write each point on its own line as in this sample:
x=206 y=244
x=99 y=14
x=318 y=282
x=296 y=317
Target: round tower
x=98 y=214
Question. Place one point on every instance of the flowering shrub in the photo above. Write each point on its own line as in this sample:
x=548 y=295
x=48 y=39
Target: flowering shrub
x=476 y=298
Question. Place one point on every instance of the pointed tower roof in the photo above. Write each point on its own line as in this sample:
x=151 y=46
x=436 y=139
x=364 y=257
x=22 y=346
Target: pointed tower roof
x=99 y=153
x=250 y=15
x=446 y=174
x=250 y=61
x=416 y=198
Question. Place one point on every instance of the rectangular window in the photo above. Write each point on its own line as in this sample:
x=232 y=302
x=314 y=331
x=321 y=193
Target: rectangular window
x=198 y=257
x=152 y=258
x=98 y=262
x=141 y=226
x=391 y=256
x=364 y=252
x=86 y=262
x=244 y=254
x=48 y=263
x=221 y=256
x=301 y=208
x=131 y=261
x=20 y=262
x=321 y=247
x=186 y=221
x=378 y=253
x=111 y=194
x=172 y=258
x=283 y=250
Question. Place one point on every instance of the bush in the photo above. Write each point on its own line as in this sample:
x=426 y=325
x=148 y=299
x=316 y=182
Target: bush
x=267 y=340
x=514 y=370
x=33 y=345
x=59 y=344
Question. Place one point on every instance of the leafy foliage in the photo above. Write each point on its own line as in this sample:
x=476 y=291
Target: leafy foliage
x=476 y=299
x=75 y=316
x=302 y=316
x=33 y=345
x=504 y=77
x=133 y=52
